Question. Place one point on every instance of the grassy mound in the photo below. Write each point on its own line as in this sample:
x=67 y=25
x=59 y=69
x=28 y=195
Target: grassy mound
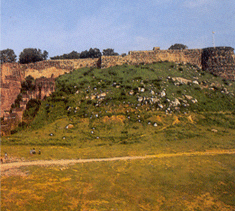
x=131 y=105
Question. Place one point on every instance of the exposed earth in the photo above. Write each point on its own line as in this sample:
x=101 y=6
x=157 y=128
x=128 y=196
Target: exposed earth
x=12 y=168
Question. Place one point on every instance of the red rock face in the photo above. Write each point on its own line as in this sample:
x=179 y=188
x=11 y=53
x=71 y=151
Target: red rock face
x=11 y=78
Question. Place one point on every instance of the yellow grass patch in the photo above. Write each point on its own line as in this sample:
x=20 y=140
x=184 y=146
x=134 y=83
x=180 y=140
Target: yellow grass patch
x=176 y=120
x=190 y=119
x=114 y=119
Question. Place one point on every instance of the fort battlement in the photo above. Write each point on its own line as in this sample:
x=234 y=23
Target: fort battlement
x=193 y=56
x=220 y=61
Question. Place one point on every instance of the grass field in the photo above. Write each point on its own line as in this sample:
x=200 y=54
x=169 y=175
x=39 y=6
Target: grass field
x=182 y=133
x=179 y=183
x=172 y=183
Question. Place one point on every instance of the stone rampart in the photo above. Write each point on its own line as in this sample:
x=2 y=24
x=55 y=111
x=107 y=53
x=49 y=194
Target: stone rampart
x=192 y=56
x=44 y=87
x=56 y=67
x=220 y=61
x=11 y=78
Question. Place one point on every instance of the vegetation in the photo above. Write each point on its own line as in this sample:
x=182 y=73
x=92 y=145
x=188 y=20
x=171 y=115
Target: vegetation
x=109 y=52
x=28 y=84
x=178 y=183
x=7 y=55
x=72 y=55
x=92 y=53
x=31 y=55
x=178 y=47
x=158 y=109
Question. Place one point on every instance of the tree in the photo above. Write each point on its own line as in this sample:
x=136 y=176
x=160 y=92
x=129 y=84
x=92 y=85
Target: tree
x=178 y=46
x=72 y=55
x=7 y=55
x=109 y=52
x=28 y=84
x=29 y=55
x=84 y=54
x=92 y=53
x=45 y=55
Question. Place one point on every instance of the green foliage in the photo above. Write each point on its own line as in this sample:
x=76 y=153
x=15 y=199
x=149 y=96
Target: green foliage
x=17 y=101
x=28 y=84
x=7 y=56
x=71 y=55
x=92 y=53
x=32 y=108
x=31 y=55
x=109 y=52
x=178 y=47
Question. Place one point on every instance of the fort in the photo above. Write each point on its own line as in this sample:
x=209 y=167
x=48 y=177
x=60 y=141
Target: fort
x=219 y=61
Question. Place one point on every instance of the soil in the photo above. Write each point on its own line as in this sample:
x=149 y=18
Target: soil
x=11 y=167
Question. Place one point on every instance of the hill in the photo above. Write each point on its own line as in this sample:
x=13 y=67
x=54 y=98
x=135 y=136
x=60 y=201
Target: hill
x=119 y=104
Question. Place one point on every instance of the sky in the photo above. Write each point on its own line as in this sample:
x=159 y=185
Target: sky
x=60 y=26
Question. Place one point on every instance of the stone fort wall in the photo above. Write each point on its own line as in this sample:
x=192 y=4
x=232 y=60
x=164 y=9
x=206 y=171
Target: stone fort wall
x=220 y=61
x=192 y=56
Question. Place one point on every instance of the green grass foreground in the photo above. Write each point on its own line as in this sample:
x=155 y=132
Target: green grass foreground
x=179 y=183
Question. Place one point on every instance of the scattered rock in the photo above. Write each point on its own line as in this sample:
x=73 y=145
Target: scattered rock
x=141 y=89
x=195 y=82
x=160 y=106
x=131 y=93
x=154 y=100
x=214 y=130
x=182 y=80
x=140 y=99
x=188 y=97
x=69 y=126
x=152 y=92
x=163 y=94
x=101 y=96
x=175 y=103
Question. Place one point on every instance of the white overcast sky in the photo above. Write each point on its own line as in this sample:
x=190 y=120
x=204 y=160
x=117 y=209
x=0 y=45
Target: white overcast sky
x=63 y=26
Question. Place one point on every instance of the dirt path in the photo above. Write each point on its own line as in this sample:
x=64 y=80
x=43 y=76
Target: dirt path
x=7 y=166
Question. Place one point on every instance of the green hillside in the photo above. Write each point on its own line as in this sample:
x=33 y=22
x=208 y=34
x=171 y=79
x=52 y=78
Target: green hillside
x=130 y=104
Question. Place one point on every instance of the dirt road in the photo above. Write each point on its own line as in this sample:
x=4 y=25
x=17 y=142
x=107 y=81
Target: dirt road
x=7 y=166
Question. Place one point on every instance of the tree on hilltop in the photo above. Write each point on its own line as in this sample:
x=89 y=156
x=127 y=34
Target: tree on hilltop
x=72 y=55
x=7 y=55
x=178 y=46
x=109 y=52
x=92 y=53
x=31 y=55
